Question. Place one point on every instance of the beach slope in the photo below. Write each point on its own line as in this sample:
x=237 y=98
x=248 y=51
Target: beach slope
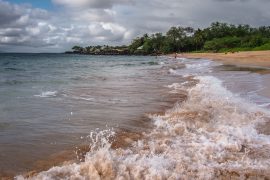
x=248 y=58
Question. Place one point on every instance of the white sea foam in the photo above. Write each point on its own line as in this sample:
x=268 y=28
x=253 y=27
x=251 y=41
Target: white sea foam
x=195 y=68
x=161 y=63
x=174 y=72
x=181 y=58
x=265 y=105
x=84 y=98
x=175 y=86
x=211 y=135
x=201 y=65
x=47 y=94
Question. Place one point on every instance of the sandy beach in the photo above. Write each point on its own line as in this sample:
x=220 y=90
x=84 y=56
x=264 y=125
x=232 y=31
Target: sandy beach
x=260 y=59
x=249 y=58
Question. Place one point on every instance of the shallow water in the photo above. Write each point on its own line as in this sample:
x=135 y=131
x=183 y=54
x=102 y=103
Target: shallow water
x=215 y=130
x=49 y=102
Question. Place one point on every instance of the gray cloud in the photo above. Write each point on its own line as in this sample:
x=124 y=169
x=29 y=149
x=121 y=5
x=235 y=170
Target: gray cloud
x=114 y=22
x=5 y=13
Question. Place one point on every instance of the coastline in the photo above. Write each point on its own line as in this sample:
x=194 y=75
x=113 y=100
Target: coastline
x=210 y=134
x=252 y=61
x=248 y=58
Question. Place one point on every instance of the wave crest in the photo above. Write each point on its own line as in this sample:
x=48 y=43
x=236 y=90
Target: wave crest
x=211 y=135
x=47 y=94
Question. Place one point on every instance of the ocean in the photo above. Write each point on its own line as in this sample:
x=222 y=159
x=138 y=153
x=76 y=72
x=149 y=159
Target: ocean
x=132 y=117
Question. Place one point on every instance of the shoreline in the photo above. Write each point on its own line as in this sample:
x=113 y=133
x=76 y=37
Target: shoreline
x=247 y=58
x=189 y=130
x=123 y=139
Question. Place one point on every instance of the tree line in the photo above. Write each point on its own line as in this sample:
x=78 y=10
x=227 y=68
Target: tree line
x=218 y=37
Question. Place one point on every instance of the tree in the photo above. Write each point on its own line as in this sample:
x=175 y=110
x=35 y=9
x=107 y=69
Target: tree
x=217 y=37
x=175 y=38
x=198 y=39
x=77 y=49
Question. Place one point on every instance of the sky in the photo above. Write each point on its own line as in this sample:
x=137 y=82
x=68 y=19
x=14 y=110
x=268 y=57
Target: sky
x=57 y=25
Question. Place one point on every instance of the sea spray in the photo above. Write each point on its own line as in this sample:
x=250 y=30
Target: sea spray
x=211 y=135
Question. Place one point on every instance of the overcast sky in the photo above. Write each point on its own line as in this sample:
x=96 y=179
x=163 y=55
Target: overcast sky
x=57 y=25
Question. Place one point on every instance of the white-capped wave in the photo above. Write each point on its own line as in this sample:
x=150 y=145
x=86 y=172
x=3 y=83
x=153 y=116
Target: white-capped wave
x=85 y=98
x=161 y=63
x=211 y=135
x=175 y=86
x=265 y=105
x=47 y=94
x=195 y=67
x=175 y=72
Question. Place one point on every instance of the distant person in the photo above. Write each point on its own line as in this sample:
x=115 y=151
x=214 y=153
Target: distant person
x=175 y=55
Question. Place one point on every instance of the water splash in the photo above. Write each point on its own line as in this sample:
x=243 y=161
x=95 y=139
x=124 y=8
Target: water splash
x=212 y=135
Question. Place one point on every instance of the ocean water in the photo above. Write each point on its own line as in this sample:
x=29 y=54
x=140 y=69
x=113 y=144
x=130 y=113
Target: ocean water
x=129 y=117
x=50 y=102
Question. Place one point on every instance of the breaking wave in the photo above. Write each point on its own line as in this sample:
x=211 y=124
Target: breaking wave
x=212 y=135
x=47 y=94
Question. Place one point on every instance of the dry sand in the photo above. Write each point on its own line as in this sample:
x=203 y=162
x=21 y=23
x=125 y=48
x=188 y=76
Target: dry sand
x=249 y=58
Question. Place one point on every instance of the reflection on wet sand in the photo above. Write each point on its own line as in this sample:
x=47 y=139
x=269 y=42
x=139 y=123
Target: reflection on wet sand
x=254 y=69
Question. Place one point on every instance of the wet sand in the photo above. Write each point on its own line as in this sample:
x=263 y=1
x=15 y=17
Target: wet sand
x=249 y=58
x=252 y=61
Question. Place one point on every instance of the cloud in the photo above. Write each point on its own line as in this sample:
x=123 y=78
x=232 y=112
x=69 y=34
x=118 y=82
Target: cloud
x=40 y=30
x=91 y=3
x=114 y=22
x=22 y=25
x=5 y=16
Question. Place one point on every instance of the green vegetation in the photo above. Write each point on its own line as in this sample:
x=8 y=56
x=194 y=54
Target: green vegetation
x=263 y=47
x=100 y=50
x=219 y=37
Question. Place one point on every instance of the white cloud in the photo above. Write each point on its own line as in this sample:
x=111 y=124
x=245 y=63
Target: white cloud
x=114 y=22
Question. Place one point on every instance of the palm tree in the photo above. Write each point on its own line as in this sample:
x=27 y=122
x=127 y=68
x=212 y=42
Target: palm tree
x=77 y=49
